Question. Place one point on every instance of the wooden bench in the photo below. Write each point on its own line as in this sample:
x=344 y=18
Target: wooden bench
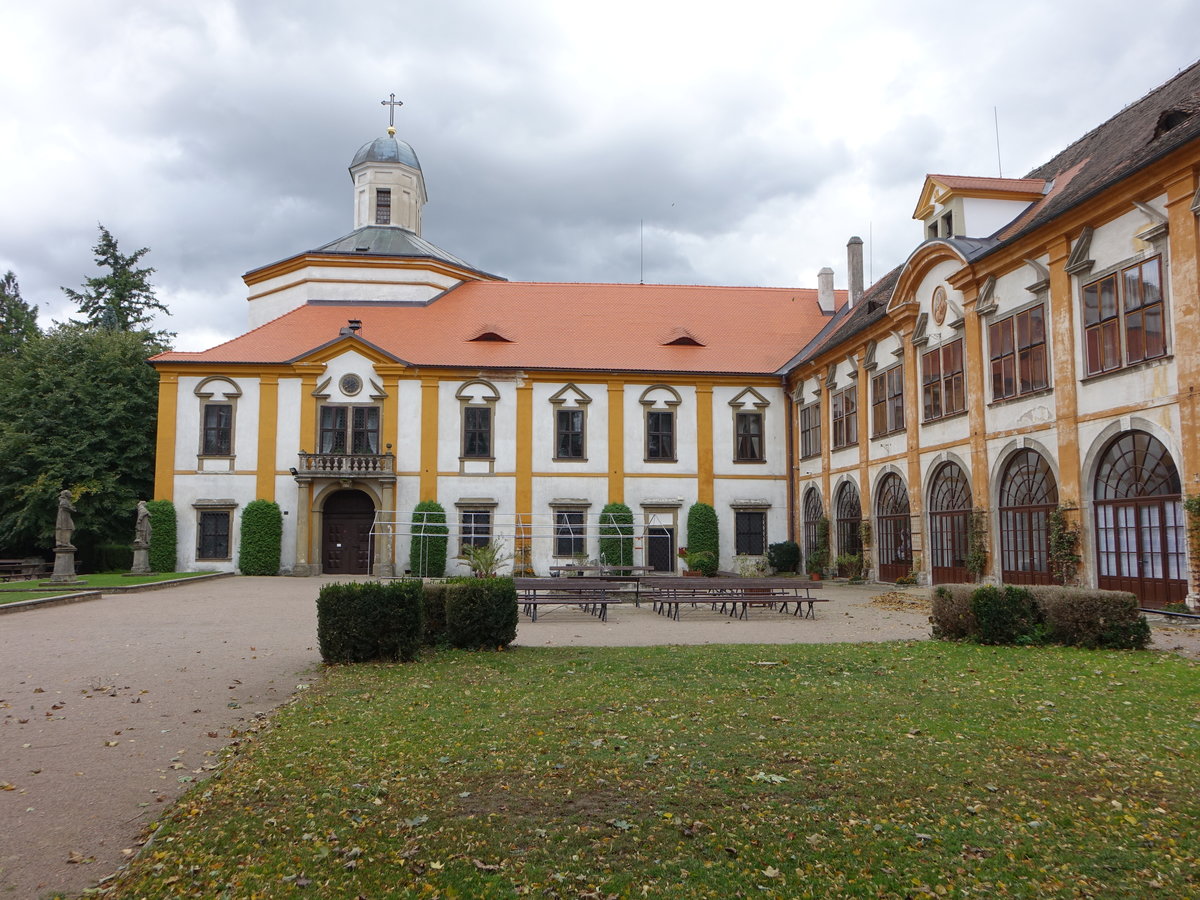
x=589 y=594
x=734 y=596
x=23 y=569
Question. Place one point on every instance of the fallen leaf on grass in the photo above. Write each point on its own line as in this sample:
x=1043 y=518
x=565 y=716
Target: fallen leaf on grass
x=484 y=867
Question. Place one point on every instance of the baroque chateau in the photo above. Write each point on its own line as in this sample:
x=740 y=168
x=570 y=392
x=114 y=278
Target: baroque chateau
x=1035 y=359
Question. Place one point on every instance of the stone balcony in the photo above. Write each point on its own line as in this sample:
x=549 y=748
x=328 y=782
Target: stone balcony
x=376 y=466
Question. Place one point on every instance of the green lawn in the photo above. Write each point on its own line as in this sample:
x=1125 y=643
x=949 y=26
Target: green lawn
x=11 y=592
x=897 y=770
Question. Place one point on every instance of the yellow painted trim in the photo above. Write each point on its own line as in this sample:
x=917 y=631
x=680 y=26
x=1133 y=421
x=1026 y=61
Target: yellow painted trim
x=570 y=474
x=660 y=475
x=704 y=443
x=750 y=477
x=524 y=486
x=429 y=439
x=616 y=442
x=302 y=281
x=308 y=413
x=315 y=260
x=164 y=445
x=268 y=428
x=391 y=410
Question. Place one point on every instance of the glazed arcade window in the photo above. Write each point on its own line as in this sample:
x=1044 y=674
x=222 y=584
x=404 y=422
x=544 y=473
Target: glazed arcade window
x=844 y=413
x=810 y=431
x=349 y=429
x=660 y=435
x=943 y=390
x=477 y=432
x=749 y=440
x=887 y=401
x=568 y=434
x=212 y=535
x=218 y=430
x=1018 y=353
x=1123 y=318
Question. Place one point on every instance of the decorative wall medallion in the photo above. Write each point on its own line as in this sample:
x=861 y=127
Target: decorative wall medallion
x=939 y=305
x=350 y=385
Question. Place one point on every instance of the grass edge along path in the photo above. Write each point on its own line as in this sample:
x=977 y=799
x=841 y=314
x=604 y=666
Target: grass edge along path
x=904 y=769
x=14 y=592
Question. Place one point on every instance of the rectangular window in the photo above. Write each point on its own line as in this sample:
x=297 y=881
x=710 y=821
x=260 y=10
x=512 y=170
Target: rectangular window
x=887 y=401
x=1018 y=354
x=943 y=389
x=349 y=429
x=218 y=429
x=475 y=527
x=660 y=435
x=383 y=206
x=568 y=434
x=749 y=439
x=570 y=535
x=213 y=535
x=750 y=532
x=810 y=431
x=844 y=412
x=477 y=432
x=1124 y=318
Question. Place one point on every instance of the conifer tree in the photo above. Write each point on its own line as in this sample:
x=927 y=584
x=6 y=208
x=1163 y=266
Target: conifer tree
x=18 y=320
x=123 y=299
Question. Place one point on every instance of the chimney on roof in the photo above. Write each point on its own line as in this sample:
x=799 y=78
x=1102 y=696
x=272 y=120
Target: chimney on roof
x=825 y=290
x=352 y=326
x=854 y=266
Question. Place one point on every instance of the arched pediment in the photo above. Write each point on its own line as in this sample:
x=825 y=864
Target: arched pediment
x=217 y=384
x=922 y=261
x=660 y=394
x=478 y=392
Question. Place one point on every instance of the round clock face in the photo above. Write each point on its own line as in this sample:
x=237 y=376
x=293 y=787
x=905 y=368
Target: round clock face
x=939 y=305
x=350 y=385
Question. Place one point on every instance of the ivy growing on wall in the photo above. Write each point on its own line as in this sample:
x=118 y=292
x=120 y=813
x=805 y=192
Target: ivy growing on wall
x=1064 y=546
x=977 y=544
x=162 y=535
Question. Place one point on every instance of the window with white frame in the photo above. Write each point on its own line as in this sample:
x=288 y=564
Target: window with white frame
x=1124 y=318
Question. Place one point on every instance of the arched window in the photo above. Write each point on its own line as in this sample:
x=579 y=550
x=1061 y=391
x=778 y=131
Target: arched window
x=849 y=519
x=1028 y=494
x=1139 y=521
x=812 y=515
x=893 y=528
x=949 y=524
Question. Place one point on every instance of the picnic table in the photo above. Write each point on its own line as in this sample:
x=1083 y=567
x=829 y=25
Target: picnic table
x=734 y=596
x=589 y=594
x=23 y=569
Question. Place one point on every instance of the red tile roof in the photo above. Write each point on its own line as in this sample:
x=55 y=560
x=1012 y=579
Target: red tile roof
x=976 y=183
x=553 y=326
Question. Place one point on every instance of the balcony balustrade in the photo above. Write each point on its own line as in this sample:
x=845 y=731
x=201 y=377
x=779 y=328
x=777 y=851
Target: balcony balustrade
x=380 y=466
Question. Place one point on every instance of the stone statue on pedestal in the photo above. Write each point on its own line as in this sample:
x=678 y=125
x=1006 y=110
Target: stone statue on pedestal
x=141 y=541
x=64 y=550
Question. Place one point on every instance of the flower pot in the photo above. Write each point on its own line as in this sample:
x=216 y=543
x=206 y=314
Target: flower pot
x=814 y=576
x=693 y=573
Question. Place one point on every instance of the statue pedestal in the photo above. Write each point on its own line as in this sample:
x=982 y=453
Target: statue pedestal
x=141 y=558
x=64 y=565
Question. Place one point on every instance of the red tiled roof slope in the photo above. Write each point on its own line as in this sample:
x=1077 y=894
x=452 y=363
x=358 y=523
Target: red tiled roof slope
x=982 y=183
x=554 y=326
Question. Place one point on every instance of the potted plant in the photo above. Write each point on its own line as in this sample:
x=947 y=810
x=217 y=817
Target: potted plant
x=702 y=562
x=818 y=556
x=484 y=560
x=852 y=565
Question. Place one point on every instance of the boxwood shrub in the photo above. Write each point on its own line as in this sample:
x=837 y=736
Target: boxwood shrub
x=434 y=598
x=1005 y=615
x=162 y=535
x=1074 y=617
x=481 y=613
x=616 y=535
x=784 y=556
x=427 y=550
x=372 y=620
x=262 y=538
x=702 y=530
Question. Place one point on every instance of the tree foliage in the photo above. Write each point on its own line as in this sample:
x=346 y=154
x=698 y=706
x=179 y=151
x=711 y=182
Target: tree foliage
x=18 y=320
x=122 y=299
x=78 y=411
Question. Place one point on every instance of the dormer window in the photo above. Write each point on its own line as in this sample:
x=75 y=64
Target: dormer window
x=383 y=206
x=947 y=224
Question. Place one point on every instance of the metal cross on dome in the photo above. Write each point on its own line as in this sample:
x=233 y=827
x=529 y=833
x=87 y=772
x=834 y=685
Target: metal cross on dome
x=391 y=103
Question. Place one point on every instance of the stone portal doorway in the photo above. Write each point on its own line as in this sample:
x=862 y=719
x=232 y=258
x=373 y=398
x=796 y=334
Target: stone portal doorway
x=346 y=534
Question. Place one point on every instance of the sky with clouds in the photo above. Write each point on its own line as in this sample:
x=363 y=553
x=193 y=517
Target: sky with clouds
x=697 y=142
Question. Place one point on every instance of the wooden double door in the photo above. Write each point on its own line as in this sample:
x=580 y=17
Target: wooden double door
x=346 y=545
